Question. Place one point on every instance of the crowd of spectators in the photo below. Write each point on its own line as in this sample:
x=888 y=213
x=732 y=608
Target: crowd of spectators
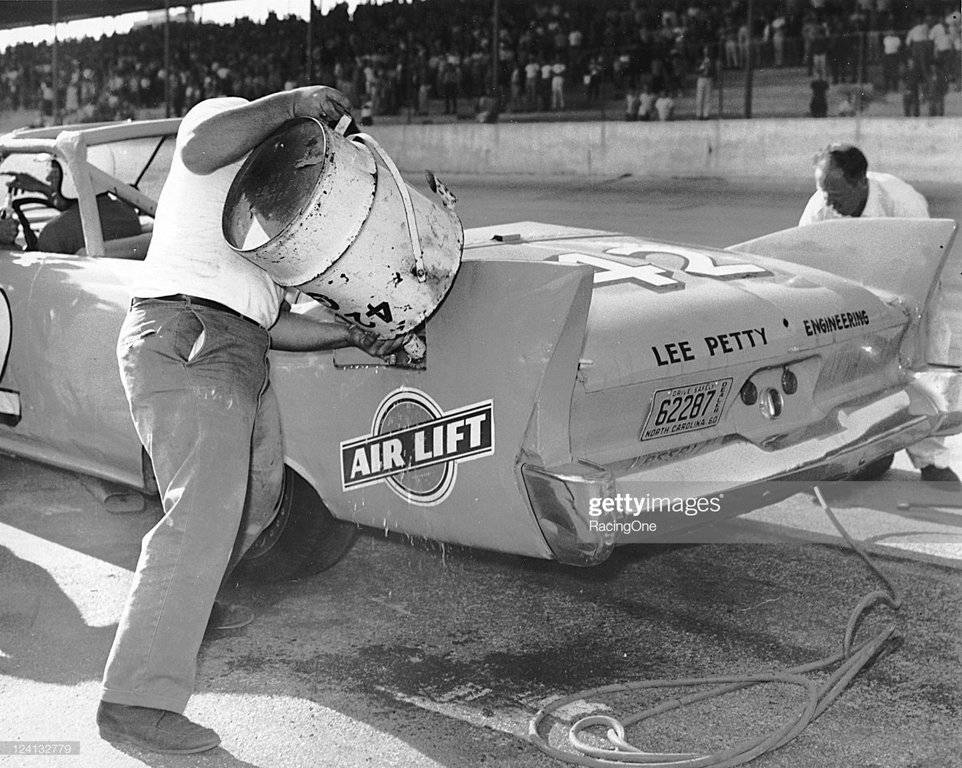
x=437 y=54
x=922 y=61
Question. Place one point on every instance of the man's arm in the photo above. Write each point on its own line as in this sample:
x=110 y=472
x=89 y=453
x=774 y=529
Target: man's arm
x=24 y=182
x=227 y=136
x=295 y=333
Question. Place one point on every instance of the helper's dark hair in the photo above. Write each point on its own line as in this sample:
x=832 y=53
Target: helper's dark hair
x=847 y=158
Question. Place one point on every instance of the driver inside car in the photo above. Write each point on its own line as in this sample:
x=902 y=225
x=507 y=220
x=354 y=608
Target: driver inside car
x=64 y=232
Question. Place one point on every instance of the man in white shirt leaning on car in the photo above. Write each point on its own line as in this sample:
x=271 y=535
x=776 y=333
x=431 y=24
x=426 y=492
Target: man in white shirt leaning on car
x=847 y=188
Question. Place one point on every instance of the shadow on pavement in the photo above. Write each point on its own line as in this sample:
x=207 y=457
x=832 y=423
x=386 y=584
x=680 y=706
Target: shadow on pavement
x=218 y=756
x=42 y=634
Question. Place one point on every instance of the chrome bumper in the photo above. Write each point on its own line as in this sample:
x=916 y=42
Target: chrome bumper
x=855 y=435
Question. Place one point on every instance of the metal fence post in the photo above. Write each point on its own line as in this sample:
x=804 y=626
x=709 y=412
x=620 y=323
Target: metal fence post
x=749 y=63
x=54 y=71
x=167 y=72
x=720 y=76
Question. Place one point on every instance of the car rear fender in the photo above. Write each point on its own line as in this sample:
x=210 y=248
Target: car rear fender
x=510 y=333
x=907 y=262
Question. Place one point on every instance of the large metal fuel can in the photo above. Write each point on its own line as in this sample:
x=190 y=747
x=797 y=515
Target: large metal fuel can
x=331 y=215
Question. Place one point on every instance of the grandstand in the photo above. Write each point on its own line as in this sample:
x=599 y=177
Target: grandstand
x=433 y=60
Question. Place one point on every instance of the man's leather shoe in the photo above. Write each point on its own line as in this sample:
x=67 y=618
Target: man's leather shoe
x=155 y=730
x=229 y=616
x=934 y=474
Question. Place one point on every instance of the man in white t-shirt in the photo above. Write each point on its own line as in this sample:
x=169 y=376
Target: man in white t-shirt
x=664 y=106
x=891 y=52
x=941 y=46
x=532 y=76
x=193 y=359
x=845 y=187
x=917 y=41
x=558 y=85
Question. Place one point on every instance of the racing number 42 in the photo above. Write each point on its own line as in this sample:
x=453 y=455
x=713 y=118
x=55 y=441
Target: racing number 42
x=9 y=400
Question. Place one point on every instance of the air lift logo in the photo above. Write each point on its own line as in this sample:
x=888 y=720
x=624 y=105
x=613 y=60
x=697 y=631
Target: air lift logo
x=415 y=446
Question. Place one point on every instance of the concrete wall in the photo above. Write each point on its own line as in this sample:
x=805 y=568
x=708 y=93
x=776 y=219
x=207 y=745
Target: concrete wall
x=919 y=150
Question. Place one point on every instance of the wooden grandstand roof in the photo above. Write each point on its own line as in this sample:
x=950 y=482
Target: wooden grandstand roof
x=20 y=14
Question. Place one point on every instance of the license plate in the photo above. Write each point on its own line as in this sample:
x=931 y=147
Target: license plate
x=686 y=409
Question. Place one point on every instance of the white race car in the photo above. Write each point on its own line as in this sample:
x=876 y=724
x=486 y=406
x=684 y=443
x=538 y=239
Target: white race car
x=566 y=366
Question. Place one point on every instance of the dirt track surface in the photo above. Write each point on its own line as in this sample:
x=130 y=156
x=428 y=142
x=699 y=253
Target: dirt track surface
x=413 y=655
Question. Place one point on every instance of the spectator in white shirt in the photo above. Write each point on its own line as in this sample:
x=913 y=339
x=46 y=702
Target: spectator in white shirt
x=942 y=45
x=558 y=86
x=664 y=106
x=891 y=46
x=953 y=23
x=646 y=103
x=532 y=76
x=703 y=84
x=918 y=43
x=778 y=40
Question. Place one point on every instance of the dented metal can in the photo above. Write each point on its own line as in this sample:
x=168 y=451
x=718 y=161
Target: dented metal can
x=324 y=213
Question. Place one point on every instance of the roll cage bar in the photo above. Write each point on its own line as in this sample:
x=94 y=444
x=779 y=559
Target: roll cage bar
x=69 y=145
